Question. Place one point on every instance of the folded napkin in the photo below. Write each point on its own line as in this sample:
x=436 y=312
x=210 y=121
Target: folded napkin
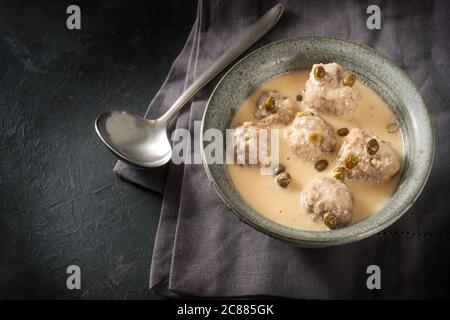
x=203 y=250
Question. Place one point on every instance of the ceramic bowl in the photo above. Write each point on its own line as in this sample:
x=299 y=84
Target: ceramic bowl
x=374 y=70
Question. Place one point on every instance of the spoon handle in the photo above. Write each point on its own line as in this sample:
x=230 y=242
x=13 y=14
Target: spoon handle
x=254 y=33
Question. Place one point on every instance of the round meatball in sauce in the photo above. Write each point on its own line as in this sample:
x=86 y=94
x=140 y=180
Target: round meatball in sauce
x=366 y=156
x=273 y=108
x=246 y=144
x=330 y=89
x=310 y=137
x=330 y=200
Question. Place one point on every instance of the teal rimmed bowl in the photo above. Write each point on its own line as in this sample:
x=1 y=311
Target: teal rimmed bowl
x=373 y=69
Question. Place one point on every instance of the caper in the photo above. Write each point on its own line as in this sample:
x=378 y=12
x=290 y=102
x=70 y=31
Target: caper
x=372 y=146
x=351 y=161
x=349 y=80
x=279 y=169
x=314 y=138
x=302 y=114
x=269 y=104
x=284 y=179
x=321 y=165
x=343 y=132
x=339 y=173
x=392 y=127
x=319 y=72
x=330 y=220
x=299 y=97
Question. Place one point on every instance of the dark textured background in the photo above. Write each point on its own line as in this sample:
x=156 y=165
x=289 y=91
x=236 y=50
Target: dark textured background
x=60 y=203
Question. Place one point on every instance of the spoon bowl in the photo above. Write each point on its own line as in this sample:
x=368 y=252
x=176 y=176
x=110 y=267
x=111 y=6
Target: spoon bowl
x=135 y=140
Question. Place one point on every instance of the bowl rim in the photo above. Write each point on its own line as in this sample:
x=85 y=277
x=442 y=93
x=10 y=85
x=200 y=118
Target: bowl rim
x=310 y=238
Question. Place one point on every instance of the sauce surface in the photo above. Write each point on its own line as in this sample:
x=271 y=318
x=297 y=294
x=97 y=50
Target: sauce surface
x=283 y=205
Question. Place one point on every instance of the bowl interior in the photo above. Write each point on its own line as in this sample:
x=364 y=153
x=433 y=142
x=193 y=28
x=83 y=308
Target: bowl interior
x=373 y=69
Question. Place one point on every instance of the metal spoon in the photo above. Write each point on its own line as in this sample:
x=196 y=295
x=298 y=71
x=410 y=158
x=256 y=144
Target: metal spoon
x=144 y=142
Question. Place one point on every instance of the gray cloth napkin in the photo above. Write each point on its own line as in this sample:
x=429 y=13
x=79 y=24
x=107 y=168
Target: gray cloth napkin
x=203 y=250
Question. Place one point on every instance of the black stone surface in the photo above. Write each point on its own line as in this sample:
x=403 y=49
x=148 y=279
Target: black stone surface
x=60 y=203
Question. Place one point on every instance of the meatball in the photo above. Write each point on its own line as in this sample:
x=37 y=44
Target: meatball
x=330 y=200
x=274 y=108
x=330 y=91
x=309 y=136
x=368 y=157
x=246 y=144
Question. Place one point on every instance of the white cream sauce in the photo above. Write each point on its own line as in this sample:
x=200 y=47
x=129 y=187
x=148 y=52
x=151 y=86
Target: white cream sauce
x=282 y=205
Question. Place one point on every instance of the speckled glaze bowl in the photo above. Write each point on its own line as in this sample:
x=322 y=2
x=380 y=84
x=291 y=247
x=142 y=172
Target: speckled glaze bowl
x=373 y=69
